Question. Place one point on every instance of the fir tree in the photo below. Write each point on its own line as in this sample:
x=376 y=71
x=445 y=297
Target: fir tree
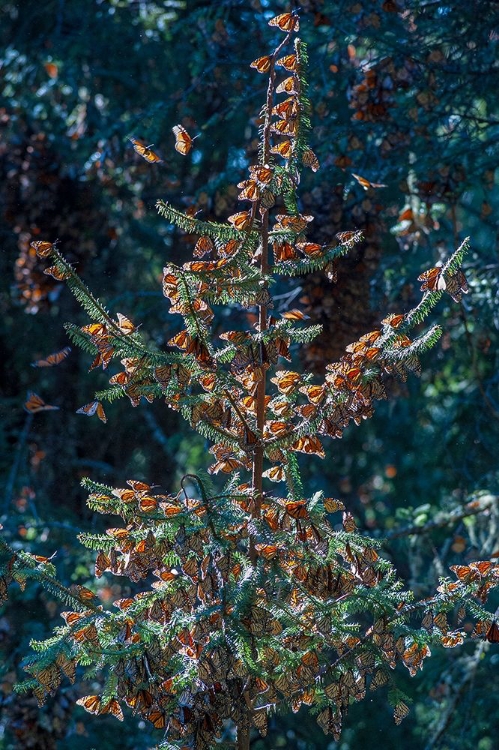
x=251 y=598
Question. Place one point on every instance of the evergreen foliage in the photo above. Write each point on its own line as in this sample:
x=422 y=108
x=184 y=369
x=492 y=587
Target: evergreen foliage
x=259 y=600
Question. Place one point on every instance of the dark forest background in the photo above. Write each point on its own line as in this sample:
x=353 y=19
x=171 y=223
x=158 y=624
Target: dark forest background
x=403 y=92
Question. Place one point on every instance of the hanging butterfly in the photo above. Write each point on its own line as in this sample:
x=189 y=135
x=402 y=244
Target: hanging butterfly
x=433 y=280
x=309 y=159
x=57 y=274
x=366 y=184
x=241 y=220
x=492 y=635
x=52 y=359
x=204 y=245
x=262 y=64
x=183 y=141
x=94 y=407
x=145 y=151
x=284 y=149
x=290 y=85
x=125 y=324
x=43 y=248
x=289 y=62
x=35 y=404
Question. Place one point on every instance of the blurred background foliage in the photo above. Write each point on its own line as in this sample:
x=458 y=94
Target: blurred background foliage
x=403 y=94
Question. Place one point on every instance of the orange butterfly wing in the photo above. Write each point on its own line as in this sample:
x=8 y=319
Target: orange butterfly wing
x=183 y=141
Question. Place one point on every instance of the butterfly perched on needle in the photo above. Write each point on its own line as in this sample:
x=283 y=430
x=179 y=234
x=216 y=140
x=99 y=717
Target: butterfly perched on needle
x=366 y=184
x=35 y=403
x=183 y=141
x=145 y=151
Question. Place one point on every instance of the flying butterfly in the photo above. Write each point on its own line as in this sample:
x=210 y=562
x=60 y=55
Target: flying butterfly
x=145 y=151
x=366 y=184
x=94 y=407
x=35 y=403
x=52 y=359
x=183 y=141
x=286 y=22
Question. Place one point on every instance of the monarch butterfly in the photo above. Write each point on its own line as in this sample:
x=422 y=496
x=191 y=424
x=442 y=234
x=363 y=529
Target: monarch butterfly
x=366 y=184
x=52 y=359
x=312 y=249
x=204 y=245
x=286 y=381
x=287 y=108
x=349 y=236
x=240 y=221
x=183 y=141
x=261 y=173
x=294 y=223
x=331 y=505
x=309 y=444
x=433 y=280
x=56 y=273
x=284 y=149
x=492 y=635
x=394 y=321
x=457 y=285
x=314 y=393
x=288 y=62
x=43 y=248
x=157 y=718
x=35 y=404
x=400 y=712
x=294 y=315
x=380 y=678
x=286 y=22
x=309 y=159
x=125 y=325
x=290 y=85
x=297 y=509
x=94 y=407
x=95 y=329
x=284 y=251
x=275 y=474
x=227 y=250
x=249 y=190
x=145 y=151
x=284 y=127
x=262 y=64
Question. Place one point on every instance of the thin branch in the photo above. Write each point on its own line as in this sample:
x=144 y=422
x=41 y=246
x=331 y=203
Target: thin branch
x=474 y=508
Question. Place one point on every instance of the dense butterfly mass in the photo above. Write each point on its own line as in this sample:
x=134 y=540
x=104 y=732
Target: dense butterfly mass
x=258 y=598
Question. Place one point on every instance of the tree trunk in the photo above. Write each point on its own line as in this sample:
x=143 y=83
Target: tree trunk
x=243 y=736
